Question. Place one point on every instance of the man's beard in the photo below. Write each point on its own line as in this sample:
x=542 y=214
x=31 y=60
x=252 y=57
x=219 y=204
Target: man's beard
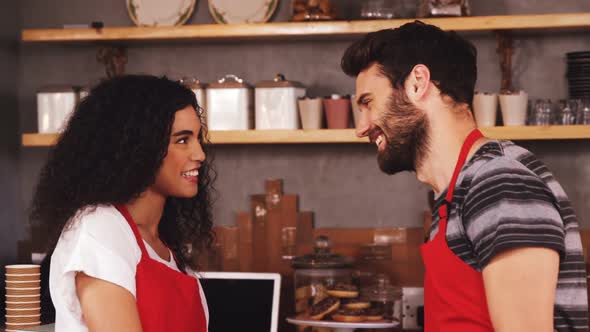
x=405 y=129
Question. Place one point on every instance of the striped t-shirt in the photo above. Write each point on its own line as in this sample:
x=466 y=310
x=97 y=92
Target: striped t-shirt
x=506 y=198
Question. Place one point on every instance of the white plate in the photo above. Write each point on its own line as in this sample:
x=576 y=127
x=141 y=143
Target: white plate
x=340 y=325
x=242 y=11
x=160 y=12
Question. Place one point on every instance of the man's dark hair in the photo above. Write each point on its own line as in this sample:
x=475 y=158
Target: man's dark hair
x=450 y=58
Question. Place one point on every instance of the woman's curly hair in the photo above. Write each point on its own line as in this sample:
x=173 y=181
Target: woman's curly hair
x=110 y=152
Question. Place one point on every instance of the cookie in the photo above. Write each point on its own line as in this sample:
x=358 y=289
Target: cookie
x=323 y=308
x=303 y=292
x=343 y=290
x=349 y=315
x=374 y=314
x=354 y=304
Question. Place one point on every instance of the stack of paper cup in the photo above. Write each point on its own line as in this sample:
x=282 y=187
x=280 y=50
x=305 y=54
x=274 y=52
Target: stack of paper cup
x=23 y=296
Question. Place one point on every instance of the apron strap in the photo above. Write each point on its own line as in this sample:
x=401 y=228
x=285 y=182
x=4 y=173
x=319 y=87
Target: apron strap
x=443 y=211
x=125 y=212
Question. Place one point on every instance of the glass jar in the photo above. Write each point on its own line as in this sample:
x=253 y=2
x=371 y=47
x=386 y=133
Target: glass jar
x=437 y=8
x=584 y=112
x=567 y=112
x=317 y=272
x=312 y=10
x=384 y=296
x=379 y=9
x=374 y=258
x=542 y=113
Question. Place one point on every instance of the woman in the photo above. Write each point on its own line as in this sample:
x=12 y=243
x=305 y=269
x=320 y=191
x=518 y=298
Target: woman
x=126 y=191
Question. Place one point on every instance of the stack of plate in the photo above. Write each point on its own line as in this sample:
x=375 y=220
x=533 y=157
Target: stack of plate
x=578 y=74
x=23 y=296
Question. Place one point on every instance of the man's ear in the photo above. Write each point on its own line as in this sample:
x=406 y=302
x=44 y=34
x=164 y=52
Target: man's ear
x=418 y=83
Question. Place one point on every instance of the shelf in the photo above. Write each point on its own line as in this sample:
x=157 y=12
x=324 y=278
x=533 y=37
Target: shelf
x=244 y=137
x=348 y=135
x=281 y=30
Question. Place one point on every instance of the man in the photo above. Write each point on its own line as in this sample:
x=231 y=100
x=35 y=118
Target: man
x=511 y=256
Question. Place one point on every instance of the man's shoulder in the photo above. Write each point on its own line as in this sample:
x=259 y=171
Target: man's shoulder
x=501 y=159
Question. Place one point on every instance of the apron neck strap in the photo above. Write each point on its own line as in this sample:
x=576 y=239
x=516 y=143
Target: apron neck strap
x=469 y=141
x=125 y=212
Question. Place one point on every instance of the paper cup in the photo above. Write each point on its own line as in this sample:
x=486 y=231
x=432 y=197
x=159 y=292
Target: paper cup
x=23 y=298
x=23 y=305
x=485 y=107
x=23 y=269
x=514 y=108
x=23 y=277
x=337 y=112
x=18 y=327
x=23 y=291
x=16 y=312
x=20 y=319
x=23 y=284
x=310 y=111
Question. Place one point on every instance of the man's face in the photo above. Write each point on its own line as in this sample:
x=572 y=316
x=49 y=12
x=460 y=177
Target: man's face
x=391 y=121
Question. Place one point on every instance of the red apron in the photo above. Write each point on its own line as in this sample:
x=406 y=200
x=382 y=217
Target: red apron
x=167 y=300
x=454 y=294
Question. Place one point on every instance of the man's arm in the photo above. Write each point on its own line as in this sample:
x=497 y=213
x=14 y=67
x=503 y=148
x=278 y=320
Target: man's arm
x=520 y=289
x=106 y=306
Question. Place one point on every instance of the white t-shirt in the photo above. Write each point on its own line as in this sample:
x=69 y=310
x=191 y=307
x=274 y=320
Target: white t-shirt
x=101 y=244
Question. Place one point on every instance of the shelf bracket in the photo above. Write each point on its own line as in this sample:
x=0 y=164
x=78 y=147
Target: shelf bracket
x=505 y=50
x=114 y=59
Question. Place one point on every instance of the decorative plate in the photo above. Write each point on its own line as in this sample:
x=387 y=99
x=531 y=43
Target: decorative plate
x=242 y=11
x=160 y=12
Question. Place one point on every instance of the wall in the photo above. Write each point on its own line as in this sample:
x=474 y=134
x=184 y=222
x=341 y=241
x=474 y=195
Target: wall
x=10 y=207
x=11 y=221
x=340 y=183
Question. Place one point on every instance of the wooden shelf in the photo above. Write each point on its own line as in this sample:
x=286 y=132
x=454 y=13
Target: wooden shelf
x=348 y=135
x=282 y=30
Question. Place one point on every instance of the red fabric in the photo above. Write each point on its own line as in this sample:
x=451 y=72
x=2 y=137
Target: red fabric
x=167 y=300
x=454 y=294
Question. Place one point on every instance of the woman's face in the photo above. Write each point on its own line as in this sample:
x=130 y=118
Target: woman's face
x=179 y=174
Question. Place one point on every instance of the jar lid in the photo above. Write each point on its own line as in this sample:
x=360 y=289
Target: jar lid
x=229 y=82
x=56 y=88
x=376 y=251
x=382 y=290
x=322 y=257
x=192 y=83
x=279 y=82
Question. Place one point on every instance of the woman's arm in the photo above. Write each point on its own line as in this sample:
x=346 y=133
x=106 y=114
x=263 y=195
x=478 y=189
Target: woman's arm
x=106 y=306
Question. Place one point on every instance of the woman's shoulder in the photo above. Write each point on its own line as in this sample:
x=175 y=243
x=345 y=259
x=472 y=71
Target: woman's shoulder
x=100 y=220
x=101 y=224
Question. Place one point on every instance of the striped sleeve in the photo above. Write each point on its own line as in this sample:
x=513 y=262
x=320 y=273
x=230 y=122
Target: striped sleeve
x=508 y=206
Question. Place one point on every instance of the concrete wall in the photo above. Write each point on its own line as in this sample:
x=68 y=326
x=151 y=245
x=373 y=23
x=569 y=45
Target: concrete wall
x=340 y=183
x=11 y=220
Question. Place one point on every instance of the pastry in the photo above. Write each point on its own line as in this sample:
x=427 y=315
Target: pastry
x=354 y=303
x=318 y=292
x=303 y=292
x=323 y=308
x=349 y=315
x=373 y=314
x=301 y=305
x=344 y=290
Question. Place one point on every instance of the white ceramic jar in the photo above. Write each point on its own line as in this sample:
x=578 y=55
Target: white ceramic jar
x=55 y=104
x=230 y=104
x=276 y=103
x=198 y=88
